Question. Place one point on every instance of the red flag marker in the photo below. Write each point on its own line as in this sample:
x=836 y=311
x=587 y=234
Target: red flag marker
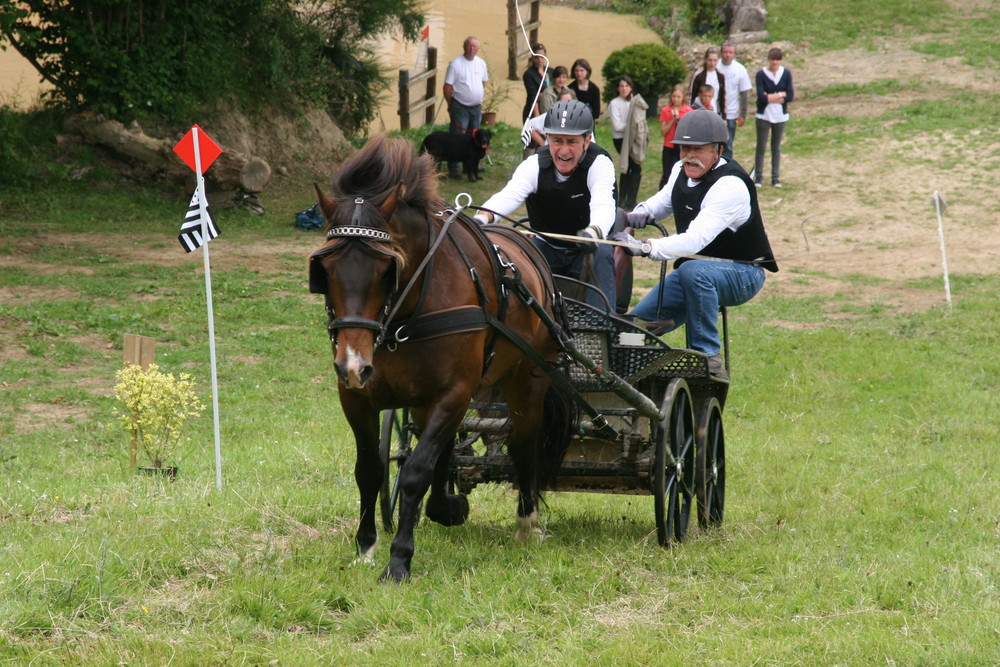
x=208 y=150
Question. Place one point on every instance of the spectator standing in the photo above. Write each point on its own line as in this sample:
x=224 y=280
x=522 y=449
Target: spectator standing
x=463 y=90
x=630 y=135
x=587 y=91
x=704 y=101
x=710 y=74
x=737 y=93
x=774 y=92
x=560 y=79
x=668 y=125
x=538 y=75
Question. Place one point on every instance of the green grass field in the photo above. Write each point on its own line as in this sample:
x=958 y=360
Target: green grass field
x=862 y=519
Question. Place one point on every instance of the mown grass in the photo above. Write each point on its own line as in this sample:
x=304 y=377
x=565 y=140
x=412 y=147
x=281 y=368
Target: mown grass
x=862 y=509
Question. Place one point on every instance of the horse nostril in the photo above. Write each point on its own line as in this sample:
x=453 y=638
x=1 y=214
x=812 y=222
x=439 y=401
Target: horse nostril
x=341 y=370
x=366 y=373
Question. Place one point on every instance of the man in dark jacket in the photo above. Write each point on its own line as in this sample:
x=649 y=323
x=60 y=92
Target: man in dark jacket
x=568 y=186
x=718 y=220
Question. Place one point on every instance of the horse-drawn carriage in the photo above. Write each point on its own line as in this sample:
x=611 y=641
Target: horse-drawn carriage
x=649 y=422
x=461 y=362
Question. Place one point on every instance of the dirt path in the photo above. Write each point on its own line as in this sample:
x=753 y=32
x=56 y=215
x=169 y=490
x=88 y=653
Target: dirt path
x=867 y=210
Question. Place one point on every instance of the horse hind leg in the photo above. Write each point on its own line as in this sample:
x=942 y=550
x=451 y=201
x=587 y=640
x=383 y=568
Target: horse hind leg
x=540 y=433
x=447 y=509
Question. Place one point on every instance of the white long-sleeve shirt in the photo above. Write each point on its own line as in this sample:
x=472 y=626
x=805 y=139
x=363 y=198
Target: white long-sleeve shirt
x=600 y=182
x=726 y=206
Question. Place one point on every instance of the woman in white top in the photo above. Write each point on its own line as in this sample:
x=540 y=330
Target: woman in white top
x=774 y=92
x=623 y=111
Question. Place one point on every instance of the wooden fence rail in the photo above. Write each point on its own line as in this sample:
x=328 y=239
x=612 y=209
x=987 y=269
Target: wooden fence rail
x=427 y=101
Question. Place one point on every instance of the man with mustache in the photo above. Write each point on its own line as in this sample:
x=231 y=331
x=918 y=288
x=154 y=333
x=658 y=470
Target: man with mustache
x=715 y=209
x=568 y=186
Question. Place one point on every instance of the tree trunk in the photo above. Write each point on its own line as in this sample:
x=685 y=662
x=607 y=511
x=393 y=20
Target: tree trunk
x=231 y=171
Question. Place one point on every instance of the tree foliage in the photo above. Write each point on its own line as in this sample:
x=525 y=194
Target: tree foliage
x=126 y=58
x=654 y=68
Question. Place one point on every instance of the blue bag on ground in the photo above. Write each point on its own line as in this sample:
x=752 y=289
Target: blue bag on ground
x=310 y=219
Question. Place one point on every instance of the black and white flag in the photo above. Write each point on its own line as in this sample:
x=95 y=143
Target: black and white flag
x=191 y=233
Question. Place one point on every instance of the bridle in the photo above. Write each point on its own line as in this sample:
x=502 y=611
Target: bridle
x=373 y=237
x=394 y=297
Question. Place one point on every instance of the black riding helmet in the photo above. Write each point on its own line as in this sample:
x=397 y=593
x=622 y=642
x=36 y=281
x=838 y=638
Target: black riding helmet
x=699 y=127
x=569 y=117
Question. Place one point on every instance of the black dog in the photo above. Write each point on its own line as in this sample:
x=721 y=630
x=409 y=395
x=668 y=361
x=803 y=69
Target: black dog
x=467 y=148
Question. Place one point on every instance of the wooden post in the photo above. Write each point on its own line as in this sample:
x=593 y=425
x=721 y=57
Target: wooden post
x=140 y=351
x=404 y=99
x=432 y=61
x=514 y=50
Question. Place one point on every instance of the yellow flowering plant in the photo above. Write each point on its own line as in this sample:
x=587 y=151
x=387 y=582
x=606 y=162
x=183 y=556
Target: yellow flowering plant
x=156 y=407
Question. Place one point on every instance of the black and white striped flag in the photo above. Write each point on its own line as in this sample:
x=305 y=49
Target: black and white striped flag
x=190 y=236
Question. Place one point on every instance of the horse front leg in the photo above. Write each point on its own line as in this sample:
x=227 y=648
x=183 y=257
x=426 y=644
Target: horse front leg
x=369 y=470
x=416 y=476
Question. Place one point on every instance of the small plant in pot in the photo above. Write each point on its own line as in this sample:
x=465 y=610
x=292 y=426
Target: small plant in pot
x=155 y=408
x=495 y=93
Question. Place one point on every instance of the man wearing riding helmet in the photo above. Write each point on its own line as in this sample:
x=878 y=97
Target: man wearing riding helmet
x=715 y=209
x=568 y=186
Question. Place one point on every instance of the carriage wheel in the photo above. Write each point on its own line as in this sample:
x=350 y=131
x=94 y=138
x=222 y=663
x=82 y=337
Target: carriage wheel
x=395 y=427
x=710 y=465
x=673 y=465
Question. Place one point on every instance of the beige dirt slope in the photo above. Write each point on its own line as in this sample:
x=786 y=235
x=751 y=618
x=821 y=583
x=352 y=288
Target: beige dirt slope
x=867 y=209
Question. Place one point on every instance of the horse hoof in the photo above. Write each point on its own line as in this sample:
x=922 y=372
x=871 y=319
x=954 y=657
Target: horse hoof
x=452 y=512
x=530 y=535
x=391 y=576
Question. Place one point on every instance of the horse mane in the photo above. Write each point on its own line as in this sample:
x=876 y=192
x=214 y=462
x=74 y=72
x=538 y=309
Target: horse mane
x=381 y=165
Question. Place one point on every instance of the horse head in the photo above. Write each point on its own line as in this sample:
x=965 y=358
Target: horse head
x=358 y=270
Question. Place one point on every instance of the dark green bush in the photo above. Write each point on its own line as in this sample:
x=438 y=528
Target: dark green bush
x=165 y=58
x=654 y=68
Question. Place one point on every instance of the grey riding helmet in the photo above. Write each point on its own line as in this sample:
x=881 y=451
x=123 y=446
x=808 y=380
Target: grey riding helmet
x=700 y=127
x=569 y=117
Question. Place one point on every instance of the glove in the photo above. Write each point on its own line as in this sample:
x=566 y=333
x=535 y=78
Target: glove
x=638 y=219
x=481 y=218
x=634 y=246
x=589 y=234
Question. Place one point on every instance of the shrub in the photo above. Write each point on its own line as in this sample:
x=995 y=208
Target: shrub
x=156 y=407
x=654 y=68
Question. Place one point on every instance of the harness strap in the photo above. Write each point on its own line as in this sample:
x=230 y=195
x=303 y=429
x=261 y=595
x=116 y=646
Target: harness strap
x=463 y=319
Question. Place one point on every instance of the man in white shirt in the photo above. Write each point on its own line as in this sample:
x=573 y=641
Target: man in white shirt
x=463 y=90
x=568 y=187
x=721 y=246
x=737 y=93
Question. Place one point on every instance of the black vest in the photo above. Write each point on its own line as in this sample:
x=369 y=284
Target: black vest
x=562 y=208
x=747 y=243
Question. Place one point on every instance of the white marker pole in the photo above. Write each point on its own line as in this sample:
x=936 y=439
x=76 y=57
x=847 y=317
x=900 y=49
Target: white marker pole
x=203 y=212
x=939 y=205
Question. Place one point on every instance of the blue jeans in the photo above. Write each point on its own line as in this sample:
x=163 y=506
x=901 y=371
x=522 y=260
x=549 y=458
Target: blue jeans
x=568 y=261
x=693 y=293
x=727 y=152
x=463 y=119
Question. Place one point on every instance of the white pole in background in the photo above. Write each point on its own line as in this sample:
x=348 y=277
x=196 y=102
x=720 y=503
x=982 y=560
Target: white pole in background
x=939 y=206
x=203 y=212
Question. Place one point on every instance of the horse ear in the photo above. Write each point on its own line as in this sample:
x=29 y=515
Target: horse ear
x=391 y=202
x=326 y=204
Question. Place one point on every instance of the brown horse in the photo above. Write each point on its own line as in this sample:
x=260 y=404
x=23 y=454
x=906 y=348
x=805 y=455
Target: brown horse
x=420 y=318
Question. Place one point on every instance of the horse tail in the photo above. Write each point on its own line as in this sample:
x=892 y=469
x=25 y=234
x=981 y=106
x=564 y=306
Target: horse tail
x=560 y=423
